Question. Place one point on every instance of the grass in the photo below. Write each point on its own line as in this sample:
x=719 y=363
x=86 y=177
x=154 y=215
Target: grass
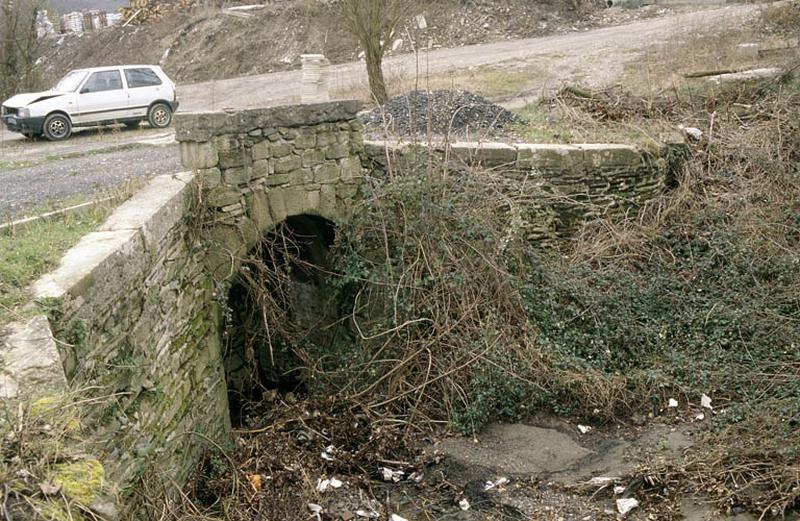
x=29 y=253
x=496 y=81
x=558 y=120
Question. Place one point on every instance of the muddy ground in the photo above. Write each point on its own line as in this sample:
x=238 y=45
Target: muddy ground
x=295 y=458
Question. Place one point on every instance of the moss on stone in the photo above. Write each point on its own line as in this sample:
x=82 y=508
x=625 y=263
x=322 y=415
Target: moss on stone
x=55 y=511
x=52 y=409
x=81 y=481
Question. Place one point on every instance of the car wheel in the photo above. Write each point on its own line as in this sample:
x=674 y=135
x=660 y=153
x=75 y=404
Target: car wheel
x=159 y=115
x=57 y=127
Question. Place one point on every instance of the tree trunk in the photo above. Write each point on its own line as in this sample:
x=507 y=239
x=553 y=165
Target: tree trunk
x=377 y=84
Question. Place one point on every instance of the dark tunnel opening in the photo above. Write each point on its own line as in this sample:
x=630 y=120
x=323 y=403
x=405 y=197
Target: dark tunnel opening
x=280 y=301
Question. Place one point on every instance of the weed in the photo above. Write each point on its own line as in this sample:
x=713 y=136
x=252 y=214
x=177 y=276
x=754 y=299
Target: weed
x=32 y=251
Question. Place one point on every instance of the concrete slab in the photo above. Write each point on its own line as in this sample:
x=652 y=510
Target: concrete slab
x=517 y=450
x=30 y=365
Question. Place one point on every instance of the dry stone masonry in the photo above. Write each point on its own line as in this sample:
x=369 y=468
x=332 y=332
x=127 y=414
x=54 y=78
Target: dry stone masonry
x=137 y=321
x=567 y=185
x=258 y=167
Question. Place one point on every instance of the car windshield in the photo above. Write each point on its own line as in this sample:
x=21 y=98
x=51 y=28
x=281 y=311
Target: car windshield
x=71 y=81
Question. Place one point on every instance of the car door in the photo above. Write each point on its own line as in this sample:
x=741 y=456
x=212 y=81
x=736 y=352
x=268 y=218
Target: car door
x=144 y=87
x=102 y=97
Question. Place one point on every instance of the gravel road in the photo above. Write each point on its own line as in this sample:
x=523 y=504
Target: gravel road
x=596 y=55
x=29 y=188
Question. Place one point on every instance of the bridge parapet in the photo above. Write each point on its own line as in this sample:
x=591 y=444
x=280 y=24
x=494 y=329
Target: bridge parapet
x=258 y=167
x=568 y=185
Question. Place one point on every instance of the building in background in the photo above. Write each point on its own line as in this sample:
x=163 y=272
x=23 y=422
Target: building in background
x=44 y=27
x=93 y=20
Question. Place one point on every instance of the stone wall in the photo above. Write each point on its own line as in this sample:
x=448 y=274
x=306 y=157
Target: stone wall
x=258 y=167
x=138 y=328
x=565 y=186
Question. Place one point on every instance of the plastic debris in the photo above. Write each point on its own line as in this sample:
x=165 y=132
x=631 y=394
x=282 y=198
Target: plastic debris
x=329 y=454
x=495 y=484
x=673 y=402
x=392 y=475
x=583 y=429
x=369 y=514
x=416 y=477
x=694 y=133
x=700 y=416
x=625 y=505
x=464 y=504
x=705 y=402
x=395 y=517
x=316 y=510
x=325 y=484
x=619 y=490
x=602 y=480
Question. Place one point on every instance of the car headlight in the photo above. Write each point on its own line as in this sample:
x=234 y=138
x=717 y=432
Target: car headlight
x=24 y=113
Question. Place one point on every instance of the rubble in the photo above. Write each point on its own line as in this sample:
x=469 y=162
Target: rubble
x=140 y=11
x=447 y=112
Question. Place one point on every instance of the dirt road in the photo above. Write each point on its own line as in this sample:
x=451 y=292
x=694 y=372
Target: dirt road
x=597 y=56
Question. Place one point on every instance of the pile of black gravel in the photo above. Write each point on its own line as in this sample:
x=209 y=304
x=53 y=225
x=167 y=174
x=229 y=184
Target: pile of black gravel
x=456 y=112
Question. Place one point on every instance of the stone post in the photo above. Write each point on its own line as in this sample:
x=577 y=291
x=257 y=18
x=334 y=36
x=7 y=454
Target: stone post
x=315 y=78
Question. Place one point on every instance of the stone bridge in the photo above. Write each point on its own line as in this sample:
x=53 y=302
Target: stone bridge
x=136 y=308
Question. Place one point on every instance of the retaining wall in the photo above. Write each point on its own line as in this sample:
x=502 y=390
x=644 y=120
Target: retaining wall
x=565 y=185
x=138 y=320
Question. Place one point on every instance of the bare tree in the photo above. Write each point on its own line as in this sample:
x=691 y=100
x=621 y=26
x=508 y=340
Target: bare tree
x=18 y=45
x=375 y=24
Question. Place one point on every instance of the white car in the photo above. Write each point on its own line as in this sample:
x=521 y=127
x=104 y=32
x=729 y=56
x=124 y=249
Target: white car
x=89 y=97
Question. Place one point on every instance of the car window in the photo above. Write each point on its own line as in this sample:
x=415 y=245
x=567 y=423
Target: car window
x=71 y=81
x=103 y=81
x=141 y=78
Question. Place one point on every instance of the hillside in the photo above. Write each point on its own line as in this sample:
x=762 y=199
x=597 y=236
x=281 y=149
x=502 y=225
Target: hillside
x=66 y=6
x=206 y=44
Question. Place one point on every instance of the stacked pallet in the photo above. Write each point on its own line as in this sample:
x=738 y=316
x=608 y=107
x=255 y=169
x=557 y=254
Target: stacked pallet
x=142 y=11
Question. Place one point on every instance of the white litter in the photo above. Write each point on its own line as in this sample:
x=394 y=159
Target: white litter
x=495 y=484
x=601 y=480
x=705 y=402
x=619 y=490
x=463 y=504
x=392 y=475
x=700 y=416
x=694 y=133
x=316 y=509
x=673 y=402
x=416 y=477
x=329 y=453
x=369 y=514
x=325 y=484
x=395 y=517
x=626 y=505
x=583 y=429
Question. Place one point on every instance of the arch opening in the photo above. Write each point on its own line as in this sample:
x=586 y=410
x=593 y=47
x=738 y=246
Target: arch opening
x=283 y=307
